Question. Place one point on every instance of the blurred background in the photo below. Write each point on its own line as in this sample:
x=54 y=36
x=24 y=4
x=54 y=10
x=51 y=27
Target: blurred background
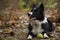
x=14 y=19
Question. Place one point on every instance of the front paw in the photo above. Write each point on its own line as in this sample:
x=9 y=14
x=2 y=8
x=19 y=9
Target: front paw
x=46 y=36
x=29 y=37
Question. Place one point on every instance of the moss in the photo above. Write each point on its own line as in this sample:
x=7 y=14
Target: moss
x=10 y=38
x=0 y=38
x=21 y=4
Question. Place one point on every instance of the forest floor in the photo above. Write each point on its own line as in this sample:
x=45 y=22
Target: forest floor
x=15 y=28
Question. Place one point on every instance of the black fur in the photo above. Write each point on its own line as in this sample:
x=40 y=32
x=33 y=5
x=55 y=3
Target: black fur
x=38 y=13
x=48 y=27
x=30 y=31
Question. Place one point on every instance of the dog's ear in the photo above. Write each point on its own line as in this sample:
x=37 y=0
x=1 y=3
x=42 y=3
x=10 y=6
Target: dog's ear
x=33 y=7
x=41 y=7
x=40 y=10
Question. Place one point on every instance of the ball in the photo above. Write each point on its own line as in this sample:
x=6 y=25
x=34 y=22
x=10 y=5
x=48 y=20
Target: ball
x=39 y=36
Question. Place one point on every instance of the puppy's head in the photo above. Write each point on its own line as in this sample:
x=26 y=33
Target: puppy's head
x=37 y=13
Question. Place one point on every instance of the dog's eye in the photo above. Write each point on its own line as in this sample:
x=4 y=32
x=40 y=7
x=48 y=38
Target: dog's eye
x=30 y=13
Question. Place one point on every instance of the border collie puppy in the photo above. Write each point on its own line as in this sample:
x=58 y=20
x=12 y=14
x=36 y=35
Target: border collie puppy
x=38 y=23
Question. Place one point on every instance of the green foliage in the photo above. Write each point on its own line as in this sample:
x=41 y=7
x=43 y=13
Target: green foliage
x=21 y=4
x=26 y=4
x=10 y=38
x=51 y=4
x=26 y=9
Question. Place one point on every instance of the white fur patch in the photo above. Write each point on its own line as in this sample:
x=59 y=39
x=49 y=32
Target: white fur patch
x=40 y=30
x=45 y=35
x=34 y=8
x=30 y=13
x=29 y=37
x=36 y=27
x=44 y=21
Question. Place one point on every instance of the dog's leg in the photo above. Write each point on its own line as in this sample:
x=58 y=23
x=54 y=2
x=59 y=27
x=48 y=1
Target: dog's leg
x=30 y=35
x=45 y=34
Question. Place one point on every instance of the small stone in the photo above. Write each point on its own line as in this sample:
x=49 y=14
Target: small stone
x=1 y=31
x=20 y=17
x=58 y=28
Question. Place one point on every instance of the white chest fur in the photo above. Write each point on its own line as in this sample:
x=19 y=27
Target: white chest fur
x=36 y=25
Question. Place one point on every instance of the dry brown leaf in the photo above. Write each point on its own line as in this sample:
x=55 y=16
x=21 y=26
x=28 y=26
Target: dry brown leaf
x=7 y=30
